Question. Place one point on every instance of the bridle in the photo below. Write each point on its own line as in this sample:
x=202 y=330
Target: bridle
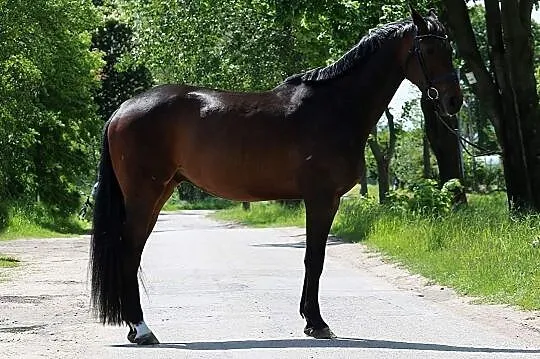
x=431 y=92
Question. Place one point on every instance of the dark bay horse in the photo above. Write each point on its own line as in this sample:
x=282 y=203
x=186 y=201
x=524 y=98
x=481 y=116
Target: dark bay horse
x=303 y=139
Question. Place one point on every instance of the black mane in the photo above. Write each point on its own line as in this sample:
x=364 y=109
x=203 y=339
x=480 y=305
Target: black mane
x=360 y=53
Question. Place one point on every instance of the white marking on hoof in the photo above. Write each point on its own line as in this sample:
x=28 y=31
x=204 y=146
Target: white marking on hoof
x=142 y=330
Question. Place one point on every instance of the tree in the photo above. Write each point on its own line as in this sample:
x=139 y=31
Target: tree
x=118 y=84
x=47 y=116
x=506 y=88
x=241 y=44
x=383 y=154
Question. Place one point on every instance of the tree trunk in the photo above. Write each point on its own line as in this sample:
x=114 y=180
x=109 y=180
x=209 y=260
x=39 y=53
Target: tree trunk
x=363 y=184
x=516 y=25
x=426 y=158
x=445 y=145
x=384 y=179
x=383 y=155
x=510 y=97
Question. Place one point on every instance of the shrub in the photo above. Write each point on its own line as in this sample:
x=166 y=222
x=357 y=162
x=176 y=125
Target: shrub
x=425 y=198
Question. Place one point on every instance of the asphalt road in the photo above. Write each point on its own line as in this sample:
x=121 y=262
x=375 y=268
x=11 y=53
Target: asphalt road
x=216 y=290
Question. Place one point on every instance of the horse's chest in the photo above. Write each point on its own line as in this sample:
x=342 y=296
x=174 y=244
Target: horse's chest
x=334 y=168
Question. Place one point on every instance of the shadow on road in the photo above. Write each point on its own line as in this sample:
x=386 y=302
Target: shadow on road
x=336 y=343
x=332 y=241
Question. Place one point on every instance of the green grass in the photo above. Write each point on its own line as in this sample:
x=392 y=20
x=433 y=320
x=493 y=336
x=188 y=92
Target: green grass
x=31 y=221
x=8 y=262
x=176 y=204
x=264 y=214
x=478 y=250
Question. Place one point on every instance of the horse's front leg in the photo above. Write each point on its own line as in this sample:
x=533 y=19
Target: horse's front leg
x=320 y=212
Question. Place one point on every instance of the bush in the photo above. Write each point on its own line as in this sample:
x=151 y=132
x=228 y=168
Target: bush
x=483 y=175
x=425 y=198
x=190 y=193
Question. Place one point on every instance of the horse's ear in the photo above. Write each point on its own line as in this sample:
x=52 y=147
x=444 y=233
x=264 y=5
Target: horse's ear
x=432 y=14
x=418 y=20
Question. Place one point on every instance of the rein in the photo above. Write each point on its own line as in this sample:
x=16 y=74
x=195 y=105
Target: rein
x=462 y=139
x=431 y=92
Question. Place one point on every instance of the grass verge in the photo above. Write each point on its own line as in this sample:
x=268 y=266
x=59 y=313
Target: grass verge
x=479 y=250
x=34 y=222
x=264 y=214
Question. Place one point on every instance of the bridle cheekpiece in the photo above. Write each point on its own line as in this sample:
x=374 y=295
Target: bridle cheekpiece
x=431 y=92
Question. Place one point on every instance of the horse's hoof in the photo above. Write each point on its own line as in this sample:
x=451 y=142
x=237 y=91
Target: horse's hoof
x=131 y=335
x=147 y=339
x=323 y=333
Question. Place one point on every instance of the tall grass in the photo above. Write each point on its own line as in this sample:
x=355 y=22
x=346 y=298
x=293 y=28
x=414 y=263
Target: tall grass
x=32 y=220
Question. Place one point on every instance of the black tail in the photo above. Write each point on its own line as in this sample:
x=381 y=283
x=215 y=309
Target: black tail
x=106 y=251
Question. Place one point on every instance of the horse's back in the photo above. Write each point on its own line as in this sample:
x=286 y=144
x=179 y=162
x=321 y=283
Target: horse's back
x=151 y=100
x=242 y=146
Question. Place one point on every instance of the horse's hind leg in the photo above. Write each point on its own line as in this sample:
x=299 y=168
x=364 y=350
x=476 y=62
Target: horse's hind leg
x=169 y=189
x=139 y=223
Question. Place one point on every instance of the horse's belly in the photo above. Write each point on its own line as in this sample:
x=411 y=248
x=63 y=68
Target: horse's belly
x=247 y=180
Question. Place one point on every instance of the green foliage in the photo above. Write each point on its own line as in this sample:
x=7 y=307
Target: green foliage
x=236 y=44
x=538 y=79
x=265 y=214
x=425 y=198
x=190 y=193
x=248 y=45
x=117 y=83
x=356 y=217
x=47 y=122
x=407 y=163
x=477 y=250
x=36 y=221
x=188 y=196
x=482 y=175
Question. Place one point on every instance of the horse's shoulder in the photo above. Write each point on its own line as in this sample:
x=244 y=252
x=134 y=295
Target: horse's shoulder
x=294 y=98
x=209 y=101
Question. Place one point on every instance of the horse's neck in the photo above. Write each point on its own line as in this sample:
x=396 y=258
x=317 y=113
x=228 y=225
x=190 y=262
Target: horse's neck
x=368 y=89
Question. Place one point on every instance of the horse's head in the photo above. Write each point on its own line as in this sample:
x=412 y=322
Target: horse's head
x=429 y=64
